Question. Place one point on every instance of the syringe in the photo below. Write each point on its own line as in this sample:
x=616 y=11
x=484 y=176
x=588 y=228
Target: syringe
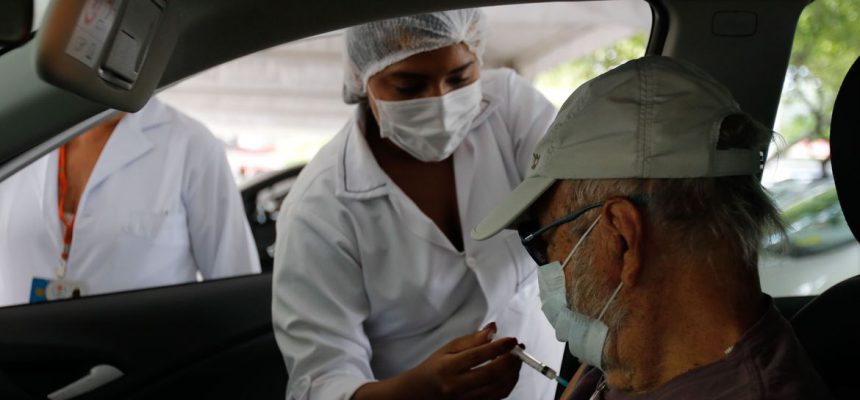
x=538 y=366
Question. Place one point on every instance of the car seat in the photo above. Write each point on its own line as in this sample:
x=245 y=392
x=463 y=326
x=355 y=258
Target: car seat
x=829 y=326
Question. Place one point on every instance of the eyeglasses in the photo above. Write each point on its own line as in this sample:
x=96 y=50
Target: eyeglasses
x=532 y=237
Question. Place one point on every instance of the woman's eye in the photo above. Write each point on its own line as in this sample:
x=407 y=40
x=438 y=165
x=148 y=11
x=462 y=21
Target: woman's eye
x=408 y=90
x=457 y=80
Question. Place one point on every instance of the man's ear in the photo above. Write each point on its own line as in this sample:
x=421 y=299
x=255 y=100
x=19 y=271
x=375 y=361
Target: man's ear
x=626 y=227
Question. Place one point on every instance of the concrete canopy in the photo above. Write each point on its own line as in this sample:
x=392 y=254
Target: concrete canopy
x=291 y=93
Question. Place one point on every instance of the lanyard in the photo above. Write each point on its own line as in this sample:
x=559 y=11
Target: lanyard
x=68 y=224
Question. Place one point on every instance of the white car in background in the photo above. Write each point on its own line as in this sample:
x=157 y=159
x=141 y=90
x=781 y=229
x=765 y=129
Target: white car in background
x=818 y=251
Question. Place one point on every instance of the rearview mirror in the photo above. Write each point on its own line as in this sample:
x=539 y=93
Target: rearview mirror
x=16 y=21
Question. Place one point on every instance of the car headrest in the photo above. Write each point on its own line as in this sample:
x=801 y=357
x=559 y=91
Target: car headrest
x=844 y=145
x=828 y=328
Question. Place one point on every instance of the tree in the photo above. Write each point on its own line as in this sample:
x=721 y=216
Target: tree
x=826 y=43
x=570 y=75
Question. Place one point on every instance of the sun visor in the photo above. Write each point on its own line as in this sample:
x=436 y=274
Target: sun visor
x=112 y=52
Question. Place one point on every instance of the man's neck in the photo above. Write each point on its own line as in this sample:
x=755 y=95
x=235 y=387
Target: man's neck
x=687 y=326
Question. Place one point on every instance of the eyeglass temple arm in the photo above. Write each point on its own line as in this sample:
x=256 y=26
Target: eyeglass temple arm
x=561 y=221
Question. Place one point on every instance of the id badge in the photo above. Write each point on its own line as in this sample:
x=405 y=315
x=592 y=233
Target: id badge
x=46 y=290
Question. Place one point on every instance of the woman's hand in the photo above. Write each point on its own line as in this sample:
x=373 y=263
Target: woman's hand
x=468 y=367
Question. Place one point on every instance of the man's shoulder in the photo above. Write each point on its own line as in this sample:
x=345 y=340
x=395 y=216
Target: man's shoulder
x=767 y=363
x=184 y=127
x=782 y=364
x=167 y=126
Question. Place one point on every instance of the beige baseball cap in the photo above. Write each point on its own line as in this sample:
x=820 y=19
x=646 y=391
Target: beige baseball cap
x=654 y=117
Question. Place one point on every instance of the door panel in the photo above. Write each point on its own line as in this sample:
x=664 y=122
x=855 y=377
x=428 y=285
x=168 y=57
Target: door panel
x=212 y=338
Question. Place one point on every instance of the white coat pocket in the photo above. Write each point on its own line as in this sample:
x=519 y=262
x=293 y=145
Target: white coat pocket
x=170 y=229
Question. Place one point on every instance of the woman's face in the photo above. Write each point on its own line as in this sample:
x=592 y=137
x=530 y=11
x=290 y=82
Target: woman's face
x=429 y=74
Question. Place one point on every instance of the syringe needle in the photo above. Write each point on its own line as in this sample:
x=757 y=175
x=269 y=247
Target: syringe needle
x=538 y=366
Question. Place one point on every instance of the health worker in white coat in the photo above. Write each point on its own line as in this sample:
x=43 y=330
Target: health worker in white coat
x=142 y=200
x=378 y=290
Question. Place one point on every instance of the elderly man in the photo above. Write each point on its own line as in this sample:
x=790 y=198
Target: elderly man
x=644 y=209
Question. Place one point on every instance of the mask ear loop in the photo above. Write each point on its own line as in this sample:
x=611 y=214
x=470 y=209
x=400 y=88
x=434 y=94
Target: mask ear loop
x=580 y=242
x=611 y=298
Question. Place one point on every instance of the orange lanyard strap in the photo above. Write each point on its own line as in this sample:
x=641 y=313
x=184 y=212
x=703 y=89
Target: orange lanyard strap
x=68 y=225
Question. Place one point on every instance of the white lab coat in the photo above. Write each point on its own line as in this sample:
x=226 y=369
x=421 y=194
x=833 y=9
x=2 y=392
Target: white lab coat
x=366 y=286
x=159 y=206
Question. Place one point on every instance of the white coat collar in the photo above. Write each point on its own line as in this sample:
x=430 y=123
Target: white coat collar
x=129 y=141
x=359 y=175
x=47 y=170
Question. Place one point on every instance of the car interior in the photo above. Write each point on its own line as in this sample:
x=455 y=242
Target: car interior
x=262 y=197
x=827 y=333
x=214 y=339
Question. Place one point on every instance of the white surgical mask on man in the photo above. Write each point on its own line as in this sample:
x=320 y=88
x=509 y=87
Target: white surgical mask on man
x=585 y=336
x=430 y=128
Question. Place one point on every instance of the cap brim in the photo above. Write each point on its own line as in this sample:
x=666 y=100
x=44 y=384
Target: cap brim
x=512 y=207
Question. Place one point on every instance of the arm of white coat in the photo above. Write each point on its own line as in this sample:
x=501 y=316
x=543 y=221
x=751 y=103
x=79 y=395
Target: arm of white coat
x=529 y=116
x=318 y=307
x=221 y=240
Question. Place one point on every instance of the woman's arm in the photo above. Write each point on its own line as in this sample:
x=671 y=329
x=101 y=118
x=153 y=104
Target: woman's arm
x=319 y=303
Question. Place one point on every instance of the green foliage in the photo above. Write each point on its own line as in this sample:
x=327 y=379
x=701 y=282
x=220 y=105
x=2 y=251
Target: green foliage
x=826 y=43
x=571 y=75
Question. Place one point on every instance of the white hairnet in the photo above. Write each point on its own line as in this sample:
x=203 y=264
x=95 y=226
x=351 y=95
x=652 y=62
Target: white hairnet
x=374 y=46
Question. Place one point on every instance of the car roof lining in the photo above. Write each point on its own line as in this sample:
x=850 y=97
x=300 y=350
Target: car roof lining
x=238 y=28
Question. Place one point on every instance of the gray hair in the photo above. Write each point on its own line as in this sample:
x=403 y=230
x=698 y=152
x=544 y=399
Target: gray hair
x=694 y=211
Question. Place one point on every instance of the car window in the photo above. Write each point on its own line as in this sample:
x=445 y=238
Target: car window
x=275 y=109
x=559 y=82
x=819 y=249
x=270 y=113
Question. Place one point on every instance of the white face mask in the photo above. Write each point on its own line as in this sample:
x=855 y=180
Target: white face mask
x=431 y=128
x=585 y=336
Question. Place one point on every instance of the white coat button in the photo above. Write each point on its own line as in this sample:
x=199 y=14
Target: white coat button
x=471 y=262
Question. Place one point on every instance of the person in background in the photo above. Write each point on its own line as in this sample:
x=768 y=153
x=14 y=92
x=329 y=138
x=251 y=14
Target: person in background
x=645 y=210
x=141 y=200
x=378 y=292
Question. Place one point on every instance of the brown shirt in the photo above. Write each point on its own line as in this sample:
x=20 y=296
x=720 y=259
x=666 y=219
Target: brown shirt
x=767 y=363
